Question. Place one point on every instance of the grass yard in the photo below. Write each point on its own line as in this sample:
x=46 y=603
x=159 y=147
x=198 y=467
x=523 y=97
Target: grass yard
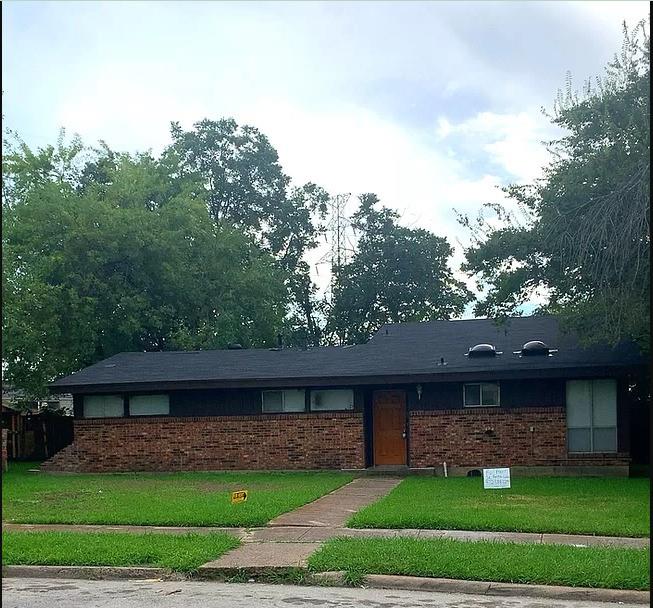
x=486 y=561
x=183 y=553
x=174 y=499
x=599 y=506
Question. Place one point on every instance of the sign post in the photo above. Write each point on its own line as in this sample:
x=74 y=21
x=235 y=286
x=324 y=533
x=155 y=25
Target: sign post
x=496 y=479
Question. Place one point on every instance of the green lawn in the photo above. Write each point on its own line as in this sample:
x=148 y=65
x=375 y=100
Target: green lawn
x=179 y=499
x=486 y=561
x=183 y=553
x=601 y=506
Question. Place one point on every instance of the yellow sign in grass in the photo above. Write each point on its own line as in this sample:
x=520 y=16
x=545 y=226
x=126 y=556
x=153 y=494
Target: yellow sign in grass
x=240 y=496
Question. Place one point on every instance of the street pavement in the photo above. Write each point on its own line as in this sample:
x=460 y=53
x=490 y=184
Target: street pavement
x=67 y=593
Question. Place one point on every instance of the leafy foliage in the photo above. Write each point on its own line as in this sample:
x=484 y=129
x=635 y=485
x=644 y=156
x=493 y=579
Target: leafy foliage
x=127 y=262
x=397 y=274
x=584 y=234
x=237 y=170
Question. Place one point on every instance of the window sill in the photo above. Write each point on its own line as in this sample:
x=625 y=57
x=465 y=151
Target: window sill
x=286 y=413
x=592 y=454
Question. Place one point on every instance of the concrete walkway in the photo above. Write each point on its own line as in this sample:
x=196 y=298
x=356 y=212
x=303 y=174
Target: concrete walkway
x=279 y=547
x=334 y=509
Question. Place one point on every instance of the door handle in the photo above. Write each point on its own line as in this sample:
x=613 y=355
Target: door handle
x=403 y=435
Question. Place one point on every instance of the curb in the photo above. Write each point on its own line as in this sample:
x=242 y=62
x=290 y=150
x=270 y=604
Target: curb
x=418 y=583
x=92 y=573
x=375 y=581
x=254 y=573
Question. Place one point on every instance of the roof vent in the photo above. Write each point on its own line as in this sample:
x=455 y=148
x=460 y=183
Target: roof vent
x=234 y=346
x=535 y=348
x=482 y=350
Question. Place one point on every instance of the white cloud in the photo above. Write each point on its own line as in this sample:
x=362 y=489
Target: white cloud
x=513 y=141
x=351 y=149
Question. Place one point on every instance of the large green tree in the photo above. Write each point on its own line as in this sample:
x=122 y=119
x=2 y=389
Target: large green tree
x=237 y=171
x=396 y=274
x=583 y=235
x=103 y=254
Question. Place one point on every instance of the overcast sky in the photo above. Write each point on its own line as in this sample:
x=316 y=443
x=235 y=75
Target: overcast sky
x=432 y=105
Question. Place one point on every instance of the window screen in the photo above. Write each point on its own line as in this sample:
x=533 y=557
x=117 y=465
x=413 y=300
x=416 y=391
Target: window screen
x=592 y=415
x=149 y=405
x=332 y=399
x=103 y=406
x=289 y=400
x=483 y=394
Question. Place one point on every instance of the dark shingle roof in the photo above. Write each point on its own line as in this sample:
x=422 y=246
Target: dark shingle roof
x=406 y=349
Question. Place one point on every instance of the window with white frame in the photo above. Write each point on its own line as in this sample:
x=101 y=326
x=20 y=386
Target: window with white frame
x=481 y=394
x=149 y=405
x=332 y=400
x=592 y=415
x=287 y=400
x=103 y=406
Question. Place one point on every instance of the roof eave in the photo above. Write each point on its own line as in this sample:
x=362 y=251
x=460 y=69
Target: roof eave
x=315 y=381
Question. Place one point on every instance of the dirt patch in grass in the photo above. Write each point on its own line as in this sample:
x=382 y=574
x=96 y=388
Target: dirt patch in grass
x=518 y=498
x=65 y=496
x=215 y=486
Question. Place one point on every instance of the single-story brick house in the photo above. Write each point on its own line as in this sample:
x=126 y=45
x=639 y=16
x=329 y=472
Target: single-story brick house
x=468 y=393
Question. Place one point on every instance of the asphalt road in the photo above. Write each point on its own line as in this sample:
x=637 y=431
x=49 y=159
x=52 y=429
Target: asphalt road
x=55 y=593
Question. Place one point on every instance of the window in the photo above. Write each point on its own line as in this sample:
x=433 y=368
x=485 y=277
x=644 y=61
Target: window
x=592 y=415
x=289 y=400
x=103 y=406
x=330 y=400
x=149 y=405
x=483 y=394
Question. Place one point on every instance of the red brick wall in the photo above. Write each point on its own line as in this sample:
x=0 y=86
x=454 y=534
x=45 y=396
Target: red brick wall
x=300 y=441
x=495 y=437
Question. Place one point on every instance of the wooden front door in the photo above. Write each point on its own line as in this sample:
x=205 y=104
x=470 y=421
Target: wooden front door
x=389 y=427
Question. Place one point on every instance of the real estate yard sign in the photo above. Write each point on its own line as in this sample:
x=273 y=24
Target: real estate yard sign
x=240 y=496
x=496 y=479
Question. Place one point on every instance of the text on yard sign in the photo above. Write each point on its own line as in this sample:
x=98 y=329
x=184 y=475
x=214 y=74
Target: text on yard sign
x=239 y=496
x=496 y=479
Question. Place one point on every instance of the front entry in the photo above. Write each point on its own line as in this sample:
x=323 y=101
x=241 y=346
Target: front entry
x=389 y=427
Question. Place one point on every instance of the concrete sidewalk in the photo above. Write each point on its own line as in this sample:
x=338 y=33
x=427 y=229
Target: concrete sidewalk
x=307 y=534
x=313 y=534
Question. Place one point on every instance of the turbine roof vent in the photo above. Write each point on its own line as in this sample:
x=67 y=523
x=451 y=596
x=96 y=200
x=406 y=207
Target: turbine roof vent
x=535 y=348
x=482 y=350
